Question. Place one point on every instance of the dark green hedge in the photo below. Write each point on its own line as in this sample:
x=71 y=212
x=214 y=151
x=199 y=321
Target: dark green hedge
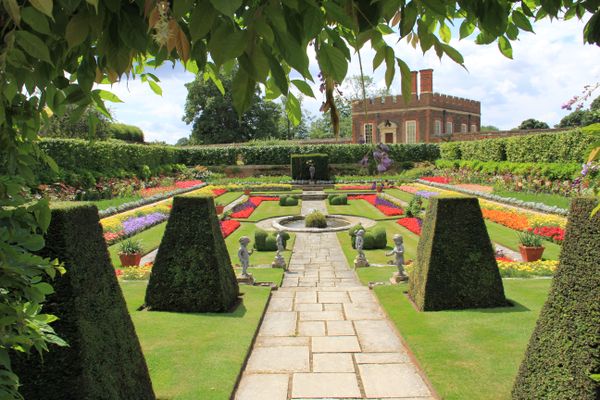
x=338 y=199
x=564 y=350
x=300 y=164
x=561 y=171
x=104 y=359
x=128 y=133
x=267 y=241
x=569 y=146
x=375 y=237
x=287 y=201
x=456 y=266
x=192 y=271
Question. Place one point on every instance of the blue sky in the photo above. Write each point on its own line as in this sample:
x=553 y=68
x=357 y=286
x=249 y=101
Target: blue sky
x=548 y=68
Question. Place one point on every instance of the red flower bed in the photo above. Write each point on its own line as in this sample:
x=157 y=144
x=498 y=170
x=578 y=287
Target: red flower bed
x=188 y=184
x=111 y=236
x=555 y=233
x=436 y=179
x=356 y=187
x=218 y=192
x=504 y=259
x=390 y=211
x=385 y=206
x=229 y=226
x=244 y=210
x=412 y=224
x=256 y=200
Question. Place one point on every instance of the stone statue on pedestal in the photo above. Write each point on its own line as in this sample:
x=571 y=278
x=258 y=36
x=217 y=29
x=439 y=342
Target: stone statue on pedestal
x=311 y=171
x=361 y=259
x=244 y=255
x=398 y=251
x=279 y=261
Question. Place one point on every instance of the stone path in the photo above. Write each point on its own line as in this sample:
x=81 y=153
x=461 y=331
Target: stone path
x=325 y=336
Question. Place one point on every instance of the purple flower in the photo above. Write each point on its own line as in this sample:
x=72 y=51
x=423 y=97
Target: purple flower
x=426 y=194
x=365 y=160
x=136 y=224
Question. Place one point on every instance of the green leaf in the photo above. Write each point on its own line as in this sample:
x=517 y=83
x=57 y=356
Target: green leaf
x=227 y=7
x=77 y=30
x=437 y=6
x=33 y=45
x=109 y=96
x=406 y=80
x=242 y=91
x=33 y=242
x=45 y=288
x=13 y=10
x=332 y=62
x=303 y=87
x=226 y=43
x=279 y=76
x=338 y=14
x=408 y=19
x=390 y=66
x=264 y=30
x=452 y=53
x=505 y=47
x=36 y=20
x=445 y=33
x=182 y=7
x=155 y=88
x=44 y=6
x=521 y=21
x=293 y=109
x=466 y=28
x=201 y=21
x=512 y=32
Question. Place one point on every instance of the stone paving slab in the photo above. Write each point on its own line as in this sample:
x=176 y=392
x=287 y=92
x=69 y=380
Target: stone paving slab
x=325 y=336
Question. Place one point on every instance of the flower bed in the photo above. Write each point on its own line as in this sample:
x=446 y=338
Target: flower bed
x=218 y=192
x=356 y=187
x=244 y=210
x=554 y=233
x=229 y=226
x=153 y=191
x=436 y=179
x=417 y=191
x=141 y=273
x=385 y=206
x=412 y=224
x=512 y=269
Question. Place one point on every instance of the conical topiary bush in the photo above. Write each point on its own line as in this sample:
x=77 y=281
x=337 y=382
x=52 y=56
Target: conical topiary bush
x=192 y=271
x=456 y=265
x=563 y=353
x=104 y=359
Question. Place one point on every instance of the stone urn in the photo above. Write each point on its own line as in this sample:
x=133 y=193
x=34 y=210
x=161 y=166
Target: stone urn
x=531 y=253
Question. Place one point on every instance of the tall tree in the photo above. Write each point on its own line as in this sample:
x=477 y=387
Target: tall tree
x=214 y=119
x=532 y=123
x=88 y=123
x=581 y=116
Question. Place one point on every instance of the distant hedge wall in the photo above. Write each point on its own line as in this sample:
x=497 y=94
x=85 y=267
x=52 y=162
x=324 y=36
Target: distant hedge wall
x=300 y=164
x=569 y=146
x=563 y=171
x=128 y=133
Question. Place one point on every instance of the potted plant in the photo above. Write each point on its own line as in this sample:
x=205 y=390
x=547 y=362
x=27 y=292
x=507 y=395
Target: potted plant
x=220 y=208
x=379 y=188
x=130 y=253
x=530 y=246
x=247 y=190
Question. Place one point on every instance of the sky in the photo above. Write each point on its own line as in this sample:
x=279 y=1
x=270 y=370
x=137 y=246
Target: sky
x=548 y=68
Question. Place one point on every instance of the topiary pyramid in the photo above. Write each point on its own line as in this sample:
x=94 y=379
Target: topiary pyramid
x=104 y=359
x=192 y=271
x=564 y=349
x=456 y=265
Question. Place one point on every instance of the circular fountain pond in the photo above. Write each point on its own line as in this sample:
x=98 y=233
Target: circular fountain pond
x=296 y=224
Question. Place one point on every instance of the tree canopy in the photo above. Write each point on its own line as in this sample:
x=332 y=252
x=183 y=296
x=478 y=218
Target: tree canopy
x=532 y=123
x=582 y=116
x=53 y=51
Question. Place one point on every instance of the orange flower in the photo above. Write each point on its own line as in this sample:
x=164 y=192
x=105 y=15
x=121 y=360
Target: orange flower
x=512 y=220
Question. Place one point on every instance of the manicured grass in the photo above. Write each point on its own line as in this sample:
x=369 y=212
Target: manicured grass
x=509 y=238
x=150 y=239
x=274 y=275
x=228 y=197
x=271 y=209
x=101 y=204
x=404 y=196
x=195 y=356
x=469 y=354
x=359 y=208
x=258 y=257
x=549 y=199
x=275 y=193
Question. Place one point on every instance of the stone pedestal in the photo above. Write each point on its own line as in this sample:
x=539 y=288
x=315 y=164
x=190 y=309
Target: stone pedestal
x=279 y=262
x=247 y=279
x=398 y=278
x=361 y=261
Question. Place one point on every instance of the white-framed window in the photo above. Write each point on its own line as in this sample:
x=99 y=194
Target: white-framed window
x=473 y=128
x=463 y=128
x=449 y=128
x=437 y=127
x=411 y=132
x=368 y=133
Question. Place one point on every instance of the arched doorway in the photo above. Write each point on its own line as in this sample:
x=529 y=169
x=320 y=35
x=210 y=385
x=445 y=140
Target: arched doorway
x=387 y=131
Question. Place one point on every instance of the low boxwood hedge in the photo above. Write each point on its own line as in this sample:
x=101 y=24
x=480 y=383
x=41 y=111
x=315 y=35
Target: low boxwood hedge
x=267 y=241
x=375 y=237
x=287 y=201
x=104 y=359
x=563 y=353
x=192 y=271
x=456 y=265
x=338 y=200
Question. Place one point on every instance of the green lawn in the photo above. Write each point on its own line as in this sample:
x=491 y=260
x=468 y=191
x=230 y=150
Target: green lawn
x=469 y=354
x=228 y=197
x=359 y=208
x=195 y=356
x=258 y=257
x=271 y=209
x=404 y=196
x=545 y=198
x=101 y=204
x=508 y=237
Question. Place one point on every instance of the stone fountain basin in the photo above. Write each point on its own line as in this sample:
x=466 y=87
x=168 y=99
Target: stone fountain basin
x=347 y=221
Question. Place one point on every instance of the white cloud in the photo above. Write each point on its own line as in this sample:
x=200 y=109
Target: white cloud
x=548 y=69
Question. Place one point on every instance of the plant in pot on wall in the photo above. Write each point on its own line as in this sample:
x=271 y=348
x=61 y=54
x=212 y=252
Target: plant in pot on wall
x=130 y=253
x=530 y=246
x=247 y=190
x=220 y=208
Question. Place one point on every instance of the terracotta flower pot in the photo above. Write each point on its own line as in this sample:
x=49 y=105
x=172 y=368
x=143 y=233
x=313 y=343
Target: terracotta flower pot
x=220 y=209
x=531 y=253
x=247 y=192
x=130 y=260
x=379 y=189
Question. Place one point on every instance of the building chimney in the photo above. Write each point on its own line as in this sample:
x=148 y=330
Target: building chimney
x=426 y=80
x=413 y=82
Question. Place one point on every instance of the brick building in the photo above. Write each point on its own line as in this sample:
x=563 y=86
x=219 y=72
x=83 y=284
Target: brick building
x=426 y=118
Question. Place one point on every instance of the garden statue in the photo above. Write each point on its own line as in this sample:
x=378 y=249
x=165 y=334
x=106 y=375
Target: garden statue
x=361 y=259
x=398 y=251
x=244 y=255
x=279 y=260
x=311 y=171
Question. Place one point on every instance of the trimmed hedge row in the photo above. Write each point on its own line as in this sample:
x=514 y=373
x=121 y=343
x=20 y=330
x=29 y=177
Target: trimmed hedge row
x=128 y=133
x=569 y=146
x=563 y=353
x=562 y=171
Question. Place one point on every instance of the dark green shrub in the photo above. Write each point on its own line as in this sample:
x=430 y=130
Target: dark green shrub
x=283 y=199
x=104 y=359
x=270 y=243
x=301 y=164
x=330 y=197
x=379 y=237
x=260 y=237
x=483 y=150
x=291 y=201
x=563 y=350
x=368 y=241
x=375 y=237
x=315 y=220
x=450 y=151
x=128 y=133
x=456 y=266
x=339 y=200
x=267 y=241
x=192 y=271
